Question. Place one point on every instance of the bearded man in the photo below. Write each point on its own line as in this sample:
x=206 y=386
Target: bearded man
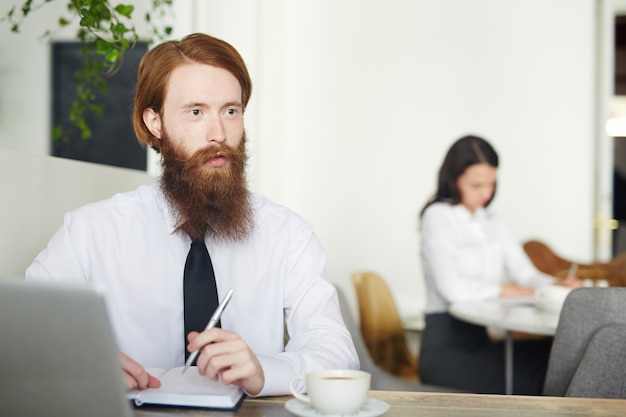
x=189 y=104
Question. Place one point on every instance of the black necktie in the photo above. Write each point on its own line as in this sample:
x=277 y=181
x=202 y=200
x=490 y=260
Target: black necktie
x=199 y=290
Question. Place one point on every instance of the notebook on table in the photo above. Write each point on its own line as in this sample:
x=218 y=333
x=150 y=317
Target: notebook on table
x=58 y=358
x=188 y=389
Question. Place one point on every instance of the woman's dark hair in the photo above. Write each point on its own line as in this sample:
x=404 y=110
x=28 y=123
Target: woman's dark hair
x=467 y=151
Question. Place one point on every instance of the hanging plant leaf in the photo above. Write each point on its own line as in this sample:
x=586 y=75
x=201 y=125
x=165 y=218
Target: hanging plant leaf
x=105 y=32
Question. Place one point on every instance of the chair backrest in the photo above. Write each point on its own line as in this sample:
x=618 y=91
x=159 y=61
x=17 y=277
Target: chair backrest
x=546 y=260
x=381 y=380
x=367 y=364
x=601 y=372
x=381 y=326
x=616 y=271
x=584 y=313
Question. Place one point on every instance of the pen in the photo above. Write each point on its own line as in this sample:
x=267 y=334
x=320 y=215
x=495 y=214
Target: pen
x=214 y=319
x=572 y=271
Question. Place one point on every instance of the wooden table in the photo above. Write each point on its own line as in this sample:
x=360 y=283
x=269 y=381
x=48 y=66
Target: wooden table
x=424 y=404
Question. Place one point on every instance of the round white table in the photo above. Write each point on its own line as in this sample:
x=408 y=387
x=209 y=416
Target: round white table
x=510 y=315
x=413 y=323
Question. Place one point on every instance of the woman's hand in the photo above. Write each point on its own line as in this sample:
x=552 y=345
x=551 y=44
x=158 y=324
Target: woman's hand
x=515 y=290
x=571 y=282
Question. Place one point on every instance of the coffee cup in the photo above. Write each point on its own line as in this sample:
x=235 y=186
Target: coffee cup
x=551 y=297
x=334 y=391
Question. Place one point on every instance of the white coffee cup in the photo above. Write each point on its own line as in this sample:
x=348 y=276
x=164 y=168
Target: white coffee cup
x=334 y=391
x=551 y=297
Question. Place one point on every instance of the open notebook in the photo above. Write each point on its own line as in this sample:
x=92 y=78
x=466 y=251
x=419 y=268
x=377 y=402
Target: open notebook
x=188 y=389
x=58 y=358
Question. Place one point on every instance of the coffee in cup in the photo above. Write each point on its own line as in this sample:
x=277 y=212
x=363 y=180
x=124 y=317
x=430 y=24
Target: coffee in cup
x=334 y=391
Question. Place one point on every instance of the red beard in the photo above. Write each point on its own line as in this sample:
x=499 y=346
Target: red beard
x=210 y=201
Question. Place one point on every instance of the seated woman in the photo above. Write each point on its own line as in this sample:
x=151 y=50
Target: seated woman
x=467 y=254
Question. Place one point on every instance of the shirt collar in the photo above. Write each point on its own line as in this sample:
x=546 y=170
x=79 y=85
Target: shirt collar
x=480 y=213
x=169 y=212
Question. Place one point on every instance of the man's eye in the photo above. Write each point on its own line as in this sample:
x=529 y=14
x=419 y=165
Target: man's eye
x=195 y=112
x=231 y=112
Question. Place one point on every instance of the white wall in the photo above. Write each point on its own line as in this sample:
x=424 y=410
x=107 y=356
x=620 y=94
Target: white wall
x=356 y=101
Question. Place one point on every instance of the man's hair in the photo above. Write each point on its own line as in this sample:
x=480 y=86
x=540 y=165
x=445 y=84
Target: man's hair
x=157 y=65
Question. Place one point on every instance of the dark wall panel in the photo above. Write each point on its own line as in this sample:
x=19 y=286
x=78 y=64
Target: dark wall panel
x=113 y=140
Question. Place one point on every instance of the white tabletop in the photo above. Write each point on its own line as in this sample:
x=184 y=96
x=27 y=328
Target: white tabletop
x=413 y=323
x=512 y=314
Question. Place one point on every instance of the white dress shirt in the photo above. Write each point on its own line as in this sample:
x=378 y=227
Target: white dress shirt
x=128 y=246
x=467 y=257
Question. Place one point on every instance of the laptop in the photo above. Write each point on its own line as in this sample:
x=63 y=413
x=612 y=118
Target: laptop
x=57 y=353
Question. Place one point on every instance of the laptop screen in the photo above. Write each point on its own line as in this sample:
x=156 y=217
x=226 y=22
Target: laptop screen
x=57 y=352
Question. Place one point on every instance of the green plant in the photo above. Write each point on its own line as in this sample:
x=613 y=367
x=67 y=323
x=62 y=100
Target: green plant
x=105 y=31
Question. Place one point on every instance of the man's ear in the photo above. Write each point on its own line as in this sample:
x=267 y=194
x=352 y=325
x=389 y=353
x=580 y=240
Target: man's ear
x=152 y=120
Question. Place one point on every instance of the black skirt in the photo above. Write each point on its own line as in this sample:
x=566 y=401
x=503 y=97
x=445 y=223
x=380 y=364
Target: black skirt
x=460 y=355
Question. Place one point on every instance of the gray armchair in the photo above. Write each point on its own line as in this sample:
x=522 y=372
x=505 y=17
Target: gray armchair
x=588 y=357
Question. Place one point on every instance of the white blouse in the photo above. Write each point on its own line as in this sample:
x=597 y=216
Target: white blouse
x=467 y=257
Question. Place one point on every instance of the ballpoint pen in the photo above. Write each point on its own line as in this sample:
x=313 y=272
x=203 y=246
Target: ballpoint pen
x=214 y=319
x=571 y=274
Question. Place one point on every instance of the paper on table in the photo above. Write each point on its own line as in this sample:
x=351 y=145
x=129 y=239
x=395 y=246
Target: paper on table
x=514 y=301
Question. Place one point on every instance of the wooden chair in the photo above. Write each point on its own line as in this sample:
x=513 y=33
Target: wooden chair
x=381 y=326
x=546 y=260
x=381 y=379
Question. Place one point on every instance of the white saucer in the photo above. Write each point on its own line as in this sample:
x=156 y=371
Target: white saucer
x=372 y=408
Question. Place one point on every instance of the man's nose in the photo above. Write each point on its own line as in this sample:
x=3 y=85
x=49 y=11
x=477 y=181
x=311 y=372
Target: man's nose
x=216 y=132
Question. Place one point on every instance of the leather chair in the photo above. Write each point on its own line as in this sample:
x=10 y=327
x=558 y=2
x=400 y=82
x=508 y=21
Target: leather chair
x=381 y=327
x=547 y=261
x=588 y=358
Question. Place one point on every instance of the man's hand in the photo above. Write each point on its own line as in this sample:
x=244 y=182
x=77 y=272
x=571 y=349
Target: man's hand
x=224 y=354
x=135 y=375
